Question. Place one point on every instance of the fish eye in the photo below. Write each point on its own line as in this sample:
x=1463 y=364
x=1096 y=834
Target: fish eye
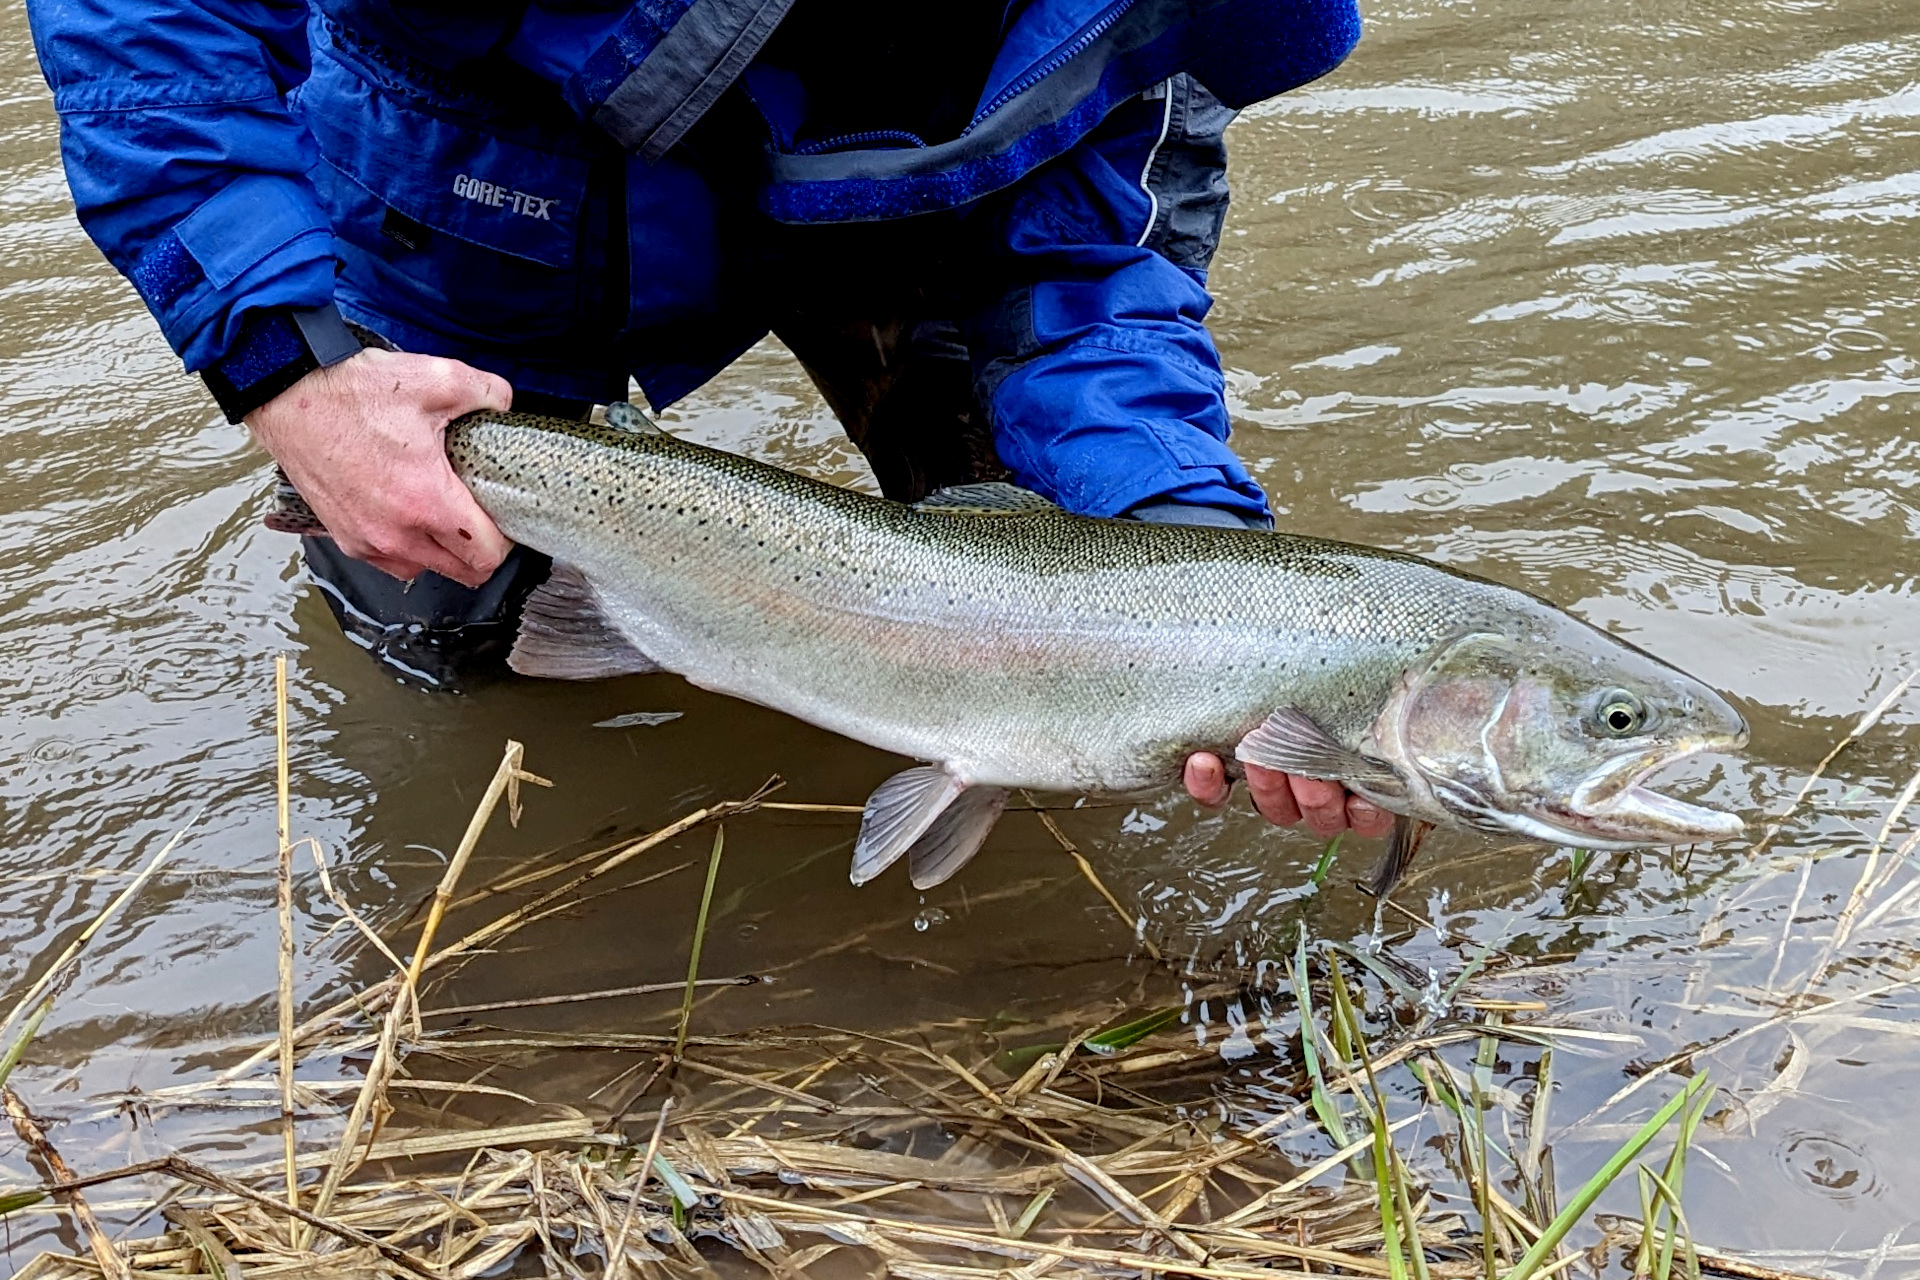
x=1620 y=714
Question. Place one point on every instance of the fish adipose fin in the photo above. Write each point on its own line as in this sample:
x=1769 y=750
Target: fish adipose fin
x=955 y=836
x=898 y=813
x=564 y=635
x=1289 y=740
x=991 y=498
x=1402 y=847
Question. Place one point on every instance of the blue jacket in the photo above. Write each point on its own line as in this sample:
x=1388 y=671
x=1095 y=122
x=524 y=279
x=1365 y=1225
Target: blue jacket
x=569 y=191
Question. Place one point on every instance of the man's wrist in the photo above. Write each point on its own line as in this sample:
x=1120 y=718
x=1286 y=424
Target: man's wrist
x=277 y=347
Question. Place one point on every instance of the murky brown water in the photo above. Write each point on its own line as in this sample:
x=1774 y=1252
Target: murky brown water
x=1615 y=302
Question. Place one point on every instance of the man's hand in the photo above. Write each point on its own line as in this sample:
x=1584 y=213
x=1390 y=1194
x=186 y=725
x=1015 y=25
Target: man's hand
x=363 y=442
x=1284 y=799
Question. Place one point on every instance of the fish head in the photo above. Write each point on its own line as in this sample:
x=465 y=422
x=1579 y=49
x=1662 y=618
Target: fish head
x=1553 y=735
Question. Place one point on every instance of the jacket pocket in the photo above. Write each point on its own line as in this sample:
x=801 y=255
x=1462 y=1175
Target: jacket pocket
x=501 y=218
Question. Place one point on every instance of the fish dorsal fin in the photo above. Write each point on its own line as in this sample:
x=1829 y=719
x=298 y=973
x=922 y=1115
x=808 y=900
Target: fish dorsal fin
x=631 y=418
x=1289 y=740
x=955 y=836
x=1402 y=846
x=989 y=498
x=565 y=635
x=898 y=813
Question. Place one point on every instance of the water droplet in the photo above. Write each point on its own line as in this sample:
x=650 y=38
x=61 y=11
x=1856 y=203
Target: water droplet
x=929 y=918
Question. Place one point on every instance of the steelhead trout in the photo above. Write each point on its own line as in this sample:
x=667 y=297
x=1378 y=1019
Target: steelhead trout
x=1010 y=644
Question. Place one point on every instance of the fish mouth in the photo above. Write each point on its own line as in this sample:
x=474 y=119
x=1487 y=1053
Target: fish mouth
x=1613 y=809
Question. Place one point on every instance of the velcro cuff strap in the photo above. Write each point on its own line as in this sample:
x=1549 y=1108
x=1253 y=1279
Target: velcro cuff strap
x=277 y=347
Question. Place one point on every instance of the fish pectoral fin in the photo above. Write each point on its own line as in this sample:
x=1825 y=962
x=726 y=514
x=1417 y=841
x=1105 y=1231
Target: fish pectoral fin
x=955 y=836
x=1402 y=847
x=898 y=813
x=565 y=635
x=990 y=498
x=1289 y=740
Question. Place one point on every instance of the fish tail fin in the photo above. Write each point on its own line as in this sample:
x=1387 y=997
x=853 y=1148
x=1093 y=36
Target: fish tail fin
x=290 y=512
x=955 y=836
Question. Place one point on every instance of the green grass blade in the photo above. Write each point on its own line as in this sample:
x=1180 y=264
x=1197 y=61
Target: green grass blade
x=1383 y=1191
x=1590 y=1191
x=1109 y=1041
x=1483 y=1186
x=1128 y=1034
x=1324 y=1106
x=1673 y=1179
x=1474 y=965
x=1403 y=1188
x=28 y=1030
x=1395 y=1211
x=1649 y=1225
x=1031 y=1214
x=13 y=1200
x=1321 y=868
x=699 y=940
x=1393 y=981
x=1671 y=1197
x=682 y=1191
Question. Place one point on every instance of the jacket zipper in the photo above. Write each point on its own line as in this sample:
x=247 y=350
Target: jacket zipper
x=1060 y=57
x=846 y=140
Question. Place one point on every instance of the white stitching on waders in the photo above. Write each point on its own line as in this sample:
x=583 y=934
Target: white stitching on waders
x=1153 y=152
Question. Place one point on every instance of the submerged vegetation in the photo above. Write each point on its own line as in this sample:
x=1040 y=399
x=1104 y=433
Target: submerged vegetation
x=1388 y=1141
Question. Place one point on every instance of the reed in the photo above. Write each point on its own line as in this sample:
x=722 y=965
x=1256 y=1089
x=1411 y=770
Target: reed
x=927 y=1152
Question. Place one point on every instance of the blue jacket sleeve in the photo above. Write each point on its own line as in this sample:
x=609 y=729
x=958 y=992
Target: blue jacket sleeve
x=1088 y=341
x=187 y=168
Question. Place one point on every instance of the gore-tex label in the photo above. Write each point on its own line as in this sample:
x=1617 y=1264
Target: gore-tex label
x=495 y=196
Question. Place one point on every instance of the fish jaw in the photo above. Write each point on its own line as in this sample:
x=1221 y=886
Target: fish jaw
x=1615 y=810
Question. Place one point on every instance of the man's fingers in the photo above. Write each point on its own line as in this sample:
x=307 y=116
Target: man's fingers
x=1322 y=804
x=1367 y=818
x=1285 y=799
x=1272 y=795
x=489 y=391
x=455 y=387
x=468 y=534
x=1206 y=779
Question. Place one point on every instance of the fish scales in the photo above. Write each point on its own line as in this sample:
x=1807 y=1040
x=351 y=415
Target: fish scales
x=1054 y=651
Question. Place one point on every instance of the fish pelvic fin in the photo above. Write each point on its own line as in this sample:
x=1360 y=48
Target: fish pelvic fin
x=1290 y=741
x=1403 y=845
x=566 y=635
x=898 y=813
x=989 y=498
x=955 y=836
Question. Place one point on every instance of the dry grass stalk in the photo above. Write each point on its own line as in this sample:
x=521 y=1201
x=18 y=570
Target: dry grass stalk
x=506 y=783
x=1086 y=870
x=62 y=966
x=1859 y=730
x=283 y=896
x=112 y=1265
x=918 y=1150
